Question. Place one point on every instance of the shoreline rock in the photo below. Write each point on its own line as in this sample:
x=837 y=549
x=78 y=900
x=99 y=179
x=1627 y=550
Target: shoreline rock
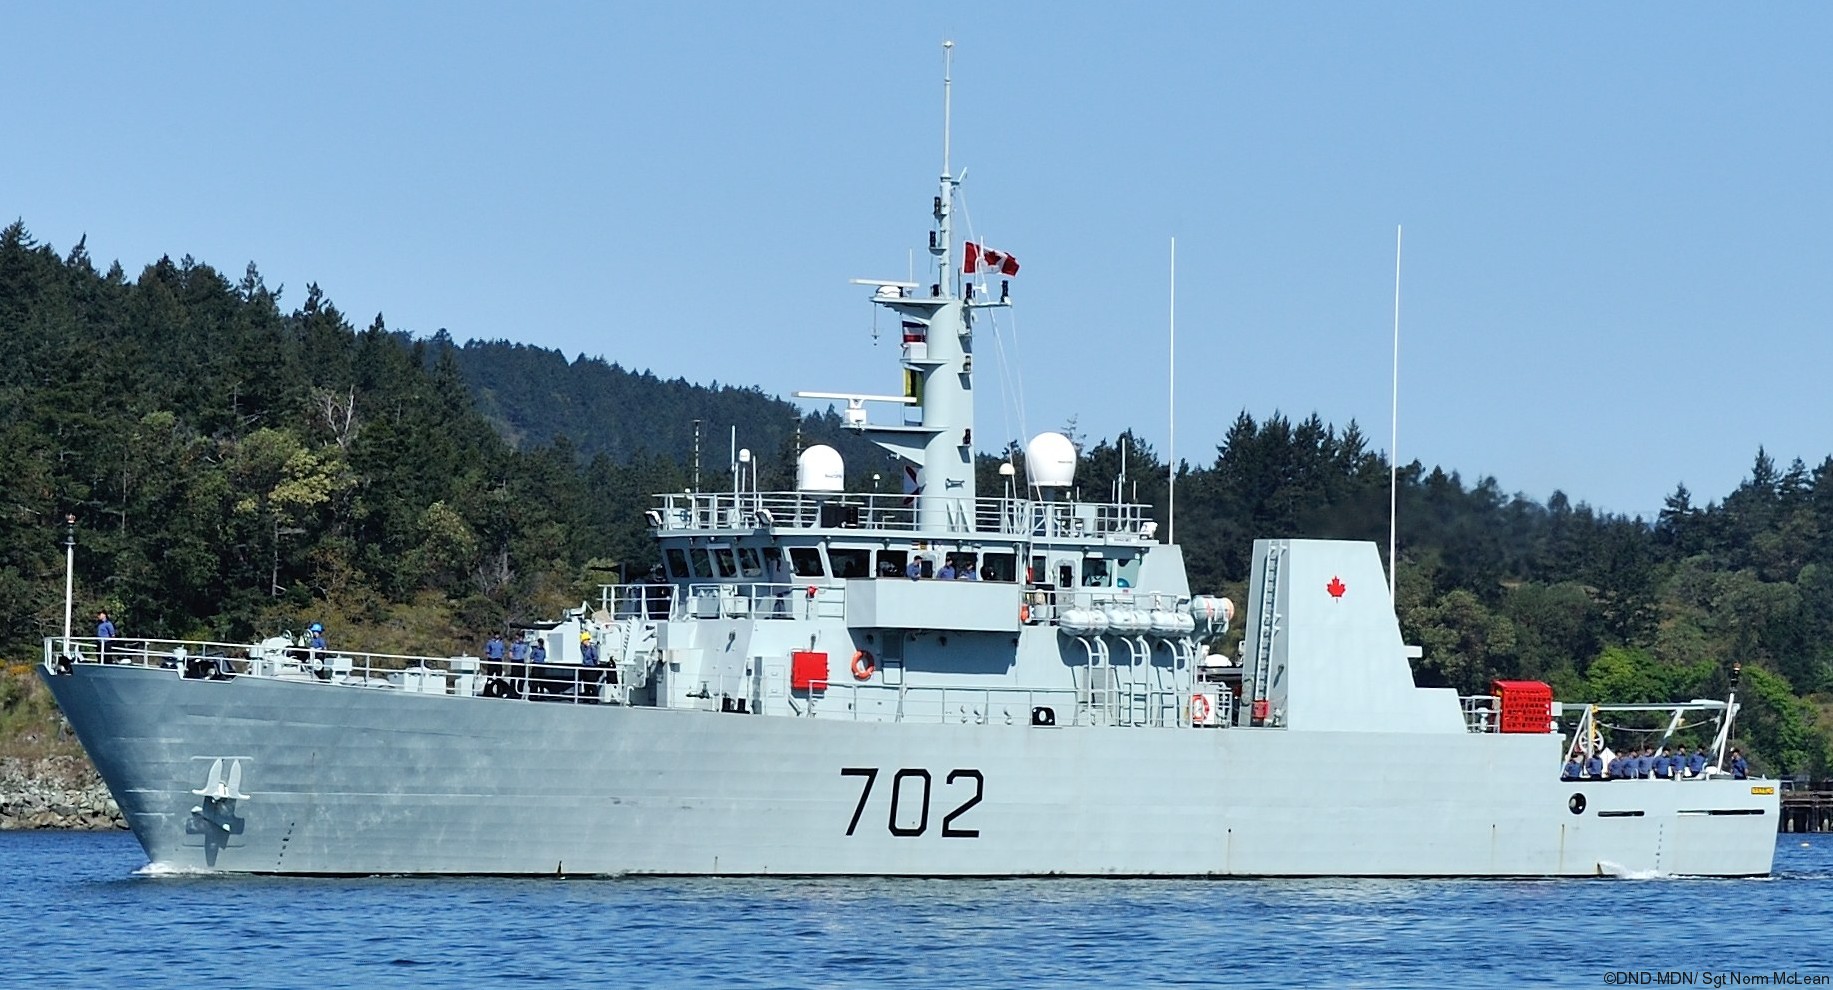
x=57 y=792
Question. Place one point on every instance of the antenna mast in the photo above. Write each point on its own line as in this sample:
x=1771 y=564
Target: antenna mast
x=948 y=66
x=1393 y=458
x=1171 y=443
x=945 y=200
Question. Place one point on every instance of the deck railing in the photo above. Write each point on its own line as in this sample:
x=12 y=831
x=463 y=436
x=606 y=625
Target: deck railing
x=278 y=659
x=940 y=704
x=608 y=683
x=729 y=600
x=745 y=511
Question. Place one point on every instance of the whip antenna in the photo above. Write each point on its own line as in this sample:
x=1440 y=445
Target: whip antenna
x=1393 y=457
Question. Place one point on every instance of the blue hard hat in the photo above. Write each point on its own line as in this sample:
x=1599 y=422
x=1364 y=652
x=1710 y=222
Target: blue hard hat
x=315 y=627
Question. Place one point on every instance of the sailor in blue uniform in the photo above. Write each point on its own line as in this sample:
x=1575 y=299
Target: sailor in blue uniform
x=1661 y=765
x=1594 y=767
x=1616 y=767
x=104 y=631
x=1645 y=763
x=493 y=654
x=1696 y=764
x=1740 y=770
x=1573 y=768
x=315 y=636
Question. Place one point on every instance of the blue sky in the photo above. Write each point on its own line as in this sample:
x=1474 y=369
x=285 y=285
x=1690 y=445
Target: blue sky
x=1618 y=220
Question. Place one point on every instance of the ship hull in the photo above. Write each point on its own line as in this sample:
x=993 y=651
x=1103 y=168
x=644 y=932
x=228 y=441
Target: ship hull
x=360 y=781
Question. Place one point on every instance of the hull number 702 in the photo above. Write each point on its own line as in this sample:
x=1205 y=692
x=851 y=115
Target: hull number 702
x=908 y=814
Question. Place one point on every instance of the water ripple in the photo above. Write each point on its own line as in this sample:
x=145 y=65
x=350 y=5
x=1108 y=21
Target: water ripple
x=83 y=916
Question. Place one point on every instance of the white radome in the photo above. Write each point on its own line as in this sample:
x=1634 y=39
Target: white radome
x=820 y=469
x=1050 y=460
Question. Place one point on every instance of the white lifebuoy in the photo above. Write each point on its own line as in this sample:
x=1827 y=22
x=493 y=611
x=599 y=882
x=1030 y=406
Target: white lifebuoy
x=1199 y=709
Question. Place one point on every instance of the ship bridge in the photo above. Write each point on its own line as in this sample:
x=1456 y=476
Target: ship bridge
x=744 y=548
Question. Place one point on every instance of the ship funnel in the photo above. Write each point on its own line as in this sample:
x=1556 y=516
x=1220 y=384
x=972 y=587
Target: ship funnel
x=820 y=469
x=1050 y=460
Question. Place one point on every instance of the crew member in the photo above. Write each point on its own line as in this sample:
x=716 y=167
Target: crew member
x=493 y=655
x=657 y=593
x=104 y=631
x=1740 y=770
x=1696 y=764
x=1594 y=767
x=1573 y=768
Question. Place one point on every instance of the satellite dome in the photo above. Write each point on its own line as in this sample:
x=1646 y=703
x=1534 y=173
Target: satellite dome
x=820 y=469
x=1050 y=460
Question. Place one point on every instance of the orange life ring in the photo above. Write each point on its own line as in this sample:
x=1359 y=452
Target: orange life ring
x=1024 y=613
x=1199 y=709
x=863 y=667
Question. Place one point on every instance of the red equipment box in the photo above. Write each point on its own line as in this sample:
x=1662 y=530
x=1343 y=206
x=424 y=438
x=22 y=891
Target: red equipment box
x=1527 y=706
x=807 y=671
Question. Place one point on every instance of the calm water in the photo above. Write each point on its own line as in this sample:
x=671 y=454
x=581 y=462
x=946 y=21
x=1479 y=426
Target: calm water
x=80 y=917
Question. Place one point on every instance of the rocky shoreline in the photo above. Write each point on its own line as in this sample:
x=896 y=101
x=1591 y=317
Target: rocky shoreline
x=55 y=792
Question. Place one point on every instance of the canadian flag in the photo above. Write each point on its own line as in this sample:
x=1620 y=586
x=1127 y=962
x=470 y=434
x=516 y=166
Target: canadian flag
x=983 y=258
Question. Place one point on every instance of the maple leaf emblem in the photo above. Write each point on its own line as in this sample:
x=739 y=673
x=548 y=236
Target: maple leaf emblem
x=1336 y=587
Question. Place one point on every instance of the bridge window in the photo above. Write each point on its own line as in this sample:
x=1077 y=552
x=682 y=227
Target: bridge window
x=891 y=563
x=850 y=562
x=749 y=563
x=727 y=564
x=1126 y=572
x=998 y=567
x=677 y=562
x=1094 y=572
x=805 y=561
x=703 y=567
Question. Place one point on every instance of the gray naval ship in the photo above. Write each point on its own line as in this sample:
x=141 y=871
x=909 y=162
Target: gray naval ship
x=935 y=684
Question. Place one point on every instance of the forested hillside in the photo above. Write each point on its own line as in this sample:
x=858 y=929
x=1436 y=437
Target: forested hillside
x=242 y=466
x=533 y=395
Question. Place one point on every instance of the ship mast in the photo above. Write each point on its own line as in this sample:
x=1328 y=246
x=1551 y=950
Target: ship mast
x=938 y=363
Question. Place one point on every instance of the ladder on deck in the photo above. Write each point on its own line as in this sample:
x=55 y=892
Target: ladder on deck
x=1100 y=689
x=1261 y=681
